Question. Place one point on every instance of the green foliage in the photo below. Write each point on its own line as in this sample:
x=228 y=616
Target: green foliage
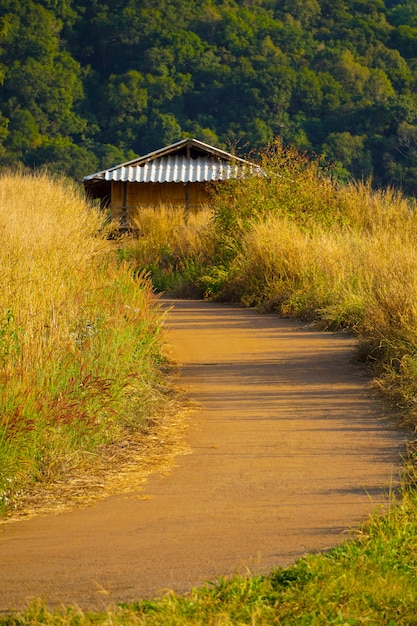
x=288 y=184
x=130 y=76
x=42 y=83
x=9 y=338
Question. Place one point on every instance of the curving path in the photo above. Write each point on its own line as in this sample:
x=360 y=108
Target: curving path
x=288 y=450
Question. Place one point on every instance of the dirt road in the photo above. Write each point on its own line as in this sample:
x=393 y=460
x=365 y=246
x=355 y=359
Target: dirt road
x=288 y=450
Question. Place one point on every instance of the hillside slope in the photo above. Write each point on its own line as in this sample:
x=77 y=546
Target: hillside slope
x=108 y=80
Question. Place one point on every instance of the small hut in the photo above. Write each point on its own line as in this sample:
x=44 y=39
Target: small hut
x=179 y=175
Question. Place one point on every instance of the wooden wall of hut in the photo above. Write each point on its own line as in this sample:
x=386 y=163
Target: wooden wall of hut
x=128 y=198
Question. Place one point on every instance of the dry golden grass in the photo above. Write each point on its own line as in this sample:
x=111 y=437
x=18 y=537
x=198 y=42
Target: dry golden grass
x=297 y=242
x=362 y=275
x=170 y=233
x=80 y=343
x=49 y=249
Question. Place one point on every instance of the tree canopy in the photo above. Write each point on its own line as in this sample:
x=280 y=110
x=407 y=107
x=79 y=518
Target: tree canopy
x=90 y=83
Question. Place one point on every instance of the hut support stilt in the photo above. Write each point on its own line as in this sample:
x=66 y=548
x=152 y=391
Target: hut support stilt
x=124 y=206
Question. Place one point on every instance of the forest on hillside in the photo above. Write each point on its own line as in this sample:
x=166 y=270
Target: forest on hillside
x=86 y=84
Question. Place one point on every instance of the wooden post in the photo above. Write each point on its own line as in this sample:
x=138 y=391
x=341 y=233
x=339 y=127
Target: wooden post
x=124 y=206
x=187 y=189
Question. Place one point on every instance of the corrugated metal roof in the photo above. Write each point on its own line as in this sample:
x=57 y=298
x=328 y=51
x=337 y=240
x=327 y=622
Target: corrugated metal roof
x=177 y=169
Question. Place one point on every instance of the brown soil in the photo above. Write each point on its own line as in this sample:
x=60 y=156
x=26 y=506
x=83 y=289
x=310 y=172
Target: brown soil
x=288 y=450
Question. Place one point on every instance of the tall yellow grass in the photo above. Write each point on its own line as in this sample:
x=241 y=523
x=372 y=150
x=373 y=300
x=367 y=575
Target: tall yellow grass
x=357 y=273
x=173 y=246
x=49 y=250
x=361 y=275
x=79 y=334
x=171 y=234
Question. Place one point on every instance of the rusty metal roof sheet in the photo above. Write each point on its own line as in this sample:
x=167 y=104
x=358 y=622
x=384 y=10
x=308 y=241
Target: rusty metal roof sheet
x=176 y=169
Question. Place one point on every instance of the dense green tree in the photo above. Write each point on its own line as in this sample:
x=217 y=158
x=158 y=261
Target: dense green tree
x=123 y=110
x=41 y=84
x=89 y=82
x=349 y=155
